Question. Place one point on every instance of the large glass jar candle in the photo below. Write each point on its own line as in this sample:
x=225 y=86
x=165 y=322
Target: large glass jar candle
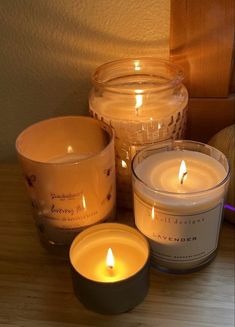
x=145 y=101
x=179 y=189
x=68 y=165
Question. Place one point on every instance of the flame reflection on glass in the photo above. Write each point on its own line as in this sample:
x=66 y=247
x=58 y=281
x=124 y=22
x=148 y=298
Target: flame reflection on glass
x=153 y=213
x=123 y=163
x=69 y=149
x=137 y=65
x=83 y=202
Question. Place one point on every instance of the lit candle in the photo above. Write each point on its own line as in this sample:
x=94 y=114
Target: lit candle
x=145 y=102
x=110 y=260
x=179 y=190
x=69 y=169
x=110 y=267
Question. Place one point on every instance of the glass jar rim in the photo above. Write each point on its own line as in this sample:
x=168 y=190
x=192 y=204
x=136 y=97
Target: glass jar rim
x=102 y=124
x=163 y=192
x=175 y=80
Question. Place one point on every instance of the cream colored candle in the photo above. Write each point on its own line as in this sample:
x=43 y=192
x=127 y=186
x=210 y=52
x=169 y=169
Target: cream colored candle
x=161 y=172
x=178 y=197
x=145 y=101
x=128 y=254
x=69 y=168
x=110 y=267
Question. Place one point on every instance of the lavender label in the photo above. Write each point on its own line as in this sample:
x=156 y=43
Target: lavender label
x=178 y=238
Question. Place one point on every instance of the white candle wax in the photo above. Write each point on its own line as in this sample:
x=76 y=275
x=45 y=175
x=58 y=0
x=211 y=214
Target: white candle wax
x=88 y=256
x=129 y=109
x=181 y=216
x=160 y=171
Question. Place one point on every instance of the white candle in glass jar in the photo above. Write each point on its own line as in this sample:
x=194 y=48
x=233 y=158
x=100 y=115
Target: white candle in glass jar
x=145 y=101
x=179 y=212
x=161 y=171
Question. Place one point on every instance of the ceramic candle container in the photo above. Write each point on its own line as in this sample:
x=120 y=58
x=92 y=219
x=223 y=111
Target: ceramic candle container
x=69 y=168
x=179 y=189
x=145 y=101
x=110 y=264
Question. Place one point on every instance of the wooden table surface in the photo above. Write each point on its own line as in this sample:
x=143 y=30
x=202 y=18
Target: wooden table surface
x=36 y=288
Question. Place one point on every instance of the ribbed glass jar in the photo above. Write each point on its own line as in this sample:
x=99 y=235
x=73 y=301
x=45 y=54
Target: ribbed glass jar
x=145 y=102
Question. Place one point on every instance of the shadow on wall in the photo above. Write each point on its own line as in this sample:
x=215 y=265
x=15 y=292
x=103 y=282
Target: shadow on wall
x=50 y=48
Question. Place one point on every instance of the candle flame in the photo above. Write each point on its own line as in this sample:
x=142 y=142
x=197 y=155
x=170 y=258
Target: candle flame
x=124 y=165
x=138 y=100
x=153 y=213
x=137 y=65
x=182 y=172
x=110 y=259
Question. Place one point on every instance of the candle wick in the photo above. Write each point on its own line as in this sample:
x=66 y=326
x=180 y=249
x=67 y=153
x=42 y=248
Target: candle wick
x=183 y=177
x=111 y=271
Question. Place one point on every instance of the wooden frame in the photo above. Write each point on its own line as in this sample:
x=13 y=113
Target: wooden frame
x=202 y=41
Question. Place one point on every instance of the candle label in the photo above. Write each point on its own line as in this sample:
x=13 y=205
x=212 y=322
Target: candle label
x=63 y=208
x=179 y=238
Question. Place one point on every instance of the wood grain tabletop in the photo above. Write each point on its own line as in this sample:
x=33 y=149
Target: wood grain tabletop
x=36 y=288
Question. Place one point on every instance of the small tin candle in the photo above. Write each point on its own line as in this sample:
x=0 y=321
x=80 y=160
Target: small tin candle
x=110 y=264
x=179 y=189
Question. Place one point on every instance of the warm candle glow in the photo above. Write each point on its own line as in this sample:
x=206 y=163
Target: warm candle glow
x=124 y=165
x=138 y=100
x=153 y=213
x=110 y=259
x=69 y=149
x=182 y=172
x=84 y=202
x=137 y=65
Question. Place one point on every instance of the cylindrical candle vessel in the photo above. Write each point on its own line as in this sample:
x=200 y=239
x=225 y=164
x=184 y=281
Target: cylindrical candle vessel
x=145 y=101
x=69 y=169
x=110 y=264
x=179 y=189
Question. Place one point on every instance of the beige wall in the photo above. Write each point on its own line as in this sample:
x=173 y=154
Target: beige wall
x=50 y=47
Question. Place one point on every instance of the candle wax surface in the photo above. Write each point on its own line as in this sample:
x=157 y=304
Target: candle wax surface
x=70 y=158
x=140 y=104
x=160 y=171
x=89 y=259
x=123 y=111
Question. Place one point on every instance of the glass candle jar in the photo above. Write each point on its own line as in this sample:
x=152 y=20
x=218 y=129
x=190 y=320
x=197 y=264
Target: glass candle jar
x=179 y=189
x=145 y=101
x=68 y=165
